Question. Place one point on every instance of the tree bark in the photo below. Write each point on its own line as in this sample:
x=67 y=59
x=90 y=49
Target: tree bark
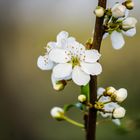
x=97 y=39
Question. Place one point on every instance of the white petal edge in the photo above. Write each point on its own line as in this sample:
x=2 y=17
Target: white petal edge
x=105 y=35
x=117 y=40
x=130 y=32
x=116 y=121
x=59 y=55
x=44 y=63
x=51 y=45
x=91 y=68
x=92 y=56
x=62 y=71
x=79 y=77
x=100 y=91
x=62 y=35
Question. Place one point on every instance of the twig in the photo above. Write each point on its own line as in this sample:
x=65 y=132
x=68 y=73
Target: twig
x=98 y=34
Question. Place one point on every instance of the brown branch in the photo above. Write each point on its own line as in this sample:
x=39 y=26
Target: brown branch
x=98 y=34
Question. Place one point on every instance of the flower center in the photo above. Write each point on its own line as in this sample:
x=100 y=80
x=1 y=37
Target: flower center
x=75 y=61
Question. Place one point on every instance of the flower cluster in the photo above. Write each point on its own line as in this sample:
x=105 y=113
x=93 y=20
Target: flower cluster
x=108 y=103
x=118 y=23
x=68 y=60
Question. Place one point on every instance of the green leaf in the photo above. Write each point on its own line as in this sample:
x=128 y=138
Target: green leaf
x=85 y=90
x=76 y=105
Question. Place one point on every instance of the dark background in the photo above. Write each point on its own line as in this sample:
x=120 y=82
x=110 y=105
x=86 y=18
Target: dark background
x=26 y=94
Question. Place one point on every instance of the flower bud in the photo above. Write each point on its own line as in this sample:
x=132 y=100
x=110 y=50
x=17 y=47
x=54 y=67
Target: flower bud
x=129 y=22
x=99 y=11
x=121 y=95
x=57 y=113
x=119 y=113
x=118 y=10
x=129 y=4
x=60 y=85
x=82 y=98
x=109 y=91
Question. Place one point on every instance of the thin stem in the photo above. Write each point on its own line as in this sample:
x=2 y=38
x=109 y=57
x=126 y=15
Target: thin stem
x=91 y=120
x=100 y=97
x=104 y=111
x=73 y=122
x=108 y=102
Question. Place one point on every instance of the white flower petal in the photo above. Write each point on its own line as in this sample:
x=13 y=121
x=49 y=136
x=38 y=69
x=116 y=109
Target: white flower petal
x=111 y=106
x=44 y=63
x=105 y=35
x=70 y=40
x=68 y=77
x=129 y=22
x=91 y=68
x=80 y=77
x=59 y=55
x=51 y=45
x=61 y=71
x=92 y=56
x=100 y=91
x=117 y=40
x=116 y=121
x=62 y=35
x=130 y=32
x=126 y=13
x=104 y=99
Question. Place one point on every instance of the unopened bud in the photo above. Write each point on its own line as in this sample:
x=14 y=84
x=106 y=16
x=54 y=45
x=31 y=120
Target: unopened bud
x=82 y=98
x=60 y=85
x=89 y=43
x=119 y=113
x=109 y=91
x=129 y=4
x=99 y=11
x=121 y=95
x=57 y=113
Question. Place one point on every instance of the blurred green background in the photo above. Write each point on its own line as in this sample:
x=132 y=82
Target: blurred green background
x=27 y=96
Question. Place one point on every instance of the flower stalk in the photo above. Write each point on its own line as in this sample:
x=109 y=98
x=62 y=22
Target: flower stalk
x=97 y=37
x=73 y=122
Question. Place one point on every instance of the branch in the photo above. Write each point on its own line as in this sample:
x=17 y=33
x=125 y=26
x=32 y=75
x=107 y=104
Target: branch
x=97 y=39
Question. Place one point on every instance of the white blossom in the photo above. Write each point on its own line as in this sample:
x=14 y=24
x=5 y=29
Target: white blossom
x=73 y=60
x=57 y=112
x=119 y=113
x=44 y=62
x=111 y=109
x=118 y=10
x=124 y=26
